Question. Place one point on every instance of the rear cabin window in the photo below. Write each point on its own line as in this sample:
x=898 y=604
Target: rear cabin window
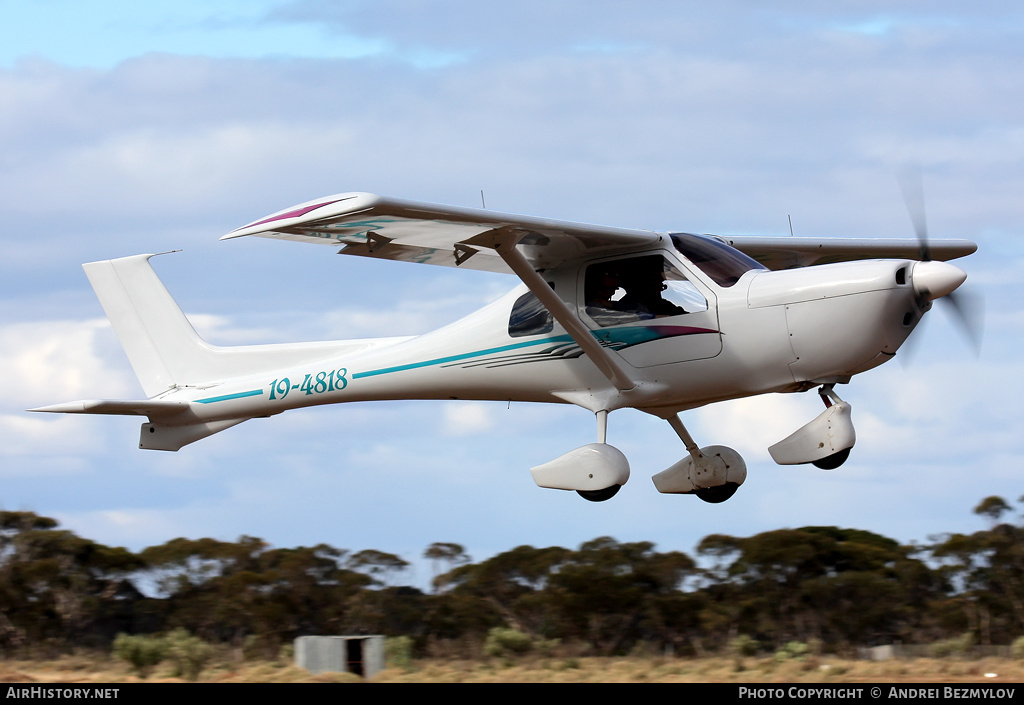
x=529 y=317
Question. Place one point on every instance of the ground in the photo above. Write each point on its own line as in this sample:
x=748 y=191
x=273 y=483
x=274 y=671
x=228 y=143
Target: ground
x=815 y=669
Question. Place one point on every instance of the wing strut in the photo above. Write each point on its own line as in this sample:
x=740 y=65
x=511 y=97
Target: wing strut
x=504 y=241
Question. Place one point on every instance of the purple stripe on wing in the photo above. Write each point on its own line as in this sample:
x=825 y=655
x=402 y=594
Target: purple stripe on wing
x=290 y=214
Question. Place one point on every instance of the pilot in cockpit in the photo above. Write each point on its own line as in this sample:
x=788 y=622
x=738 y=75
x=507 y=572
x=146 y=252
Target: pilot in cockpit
x=645 y=286
x=627 y=291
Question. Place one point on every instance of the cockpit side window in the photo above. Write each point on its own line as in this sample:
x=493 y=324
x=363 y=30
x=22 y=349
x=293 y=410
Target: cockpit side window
x=529 y=317
x=638 y=289
x=724 y=264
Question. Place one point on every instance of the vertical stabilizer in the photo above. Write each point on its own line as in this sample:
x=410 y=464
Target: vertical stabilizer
x=160 y=343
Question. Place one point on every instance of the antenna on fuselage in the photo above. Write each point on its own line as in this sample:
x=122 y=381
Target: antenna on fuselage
x=790 y=225
x=483 y=203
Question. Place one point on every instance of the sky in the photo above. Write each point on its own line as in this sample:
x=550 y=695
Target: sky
x=162 y=126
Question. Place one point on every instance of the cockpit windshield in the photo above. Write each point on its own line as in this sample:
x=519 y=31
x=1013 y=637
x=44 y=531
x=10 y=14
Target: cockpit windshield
x=724 y=264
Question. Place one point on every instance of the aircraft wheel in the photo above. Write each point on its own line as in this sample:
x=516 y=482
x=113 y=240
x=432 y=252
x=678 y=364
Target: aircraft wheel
x=717 y=495
x=833 y=461
x=599 y=495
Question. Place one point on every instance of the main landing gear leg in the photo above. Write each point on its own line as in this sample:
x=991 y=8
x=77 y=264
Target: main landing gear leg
x=606 y=493
x=602 y=426
x=677 y=425
x=713 y=473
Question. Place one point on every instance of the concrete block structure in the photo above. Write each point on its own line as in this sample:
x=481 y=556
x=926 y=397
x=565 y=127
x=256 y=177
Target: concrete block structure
x=361 y=655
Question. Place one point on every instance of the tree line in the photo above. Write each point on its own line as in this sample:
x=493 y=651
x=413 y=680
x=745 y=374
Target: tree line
x=840 y=587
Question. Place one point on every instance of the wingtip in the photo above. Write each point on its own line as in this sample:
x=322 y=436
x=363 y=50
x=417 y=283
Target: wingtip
x=301 y=212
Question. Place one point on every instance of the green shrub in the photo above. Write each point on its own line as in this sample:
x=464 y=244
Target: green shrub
x=744 y=645
x=1017 y=648
x=793 y=650
x=260 y=647
x=546 y=647
x=502 y=641
x=189 y=653
x=398 y=651
x=142 y=652
x=957 y=646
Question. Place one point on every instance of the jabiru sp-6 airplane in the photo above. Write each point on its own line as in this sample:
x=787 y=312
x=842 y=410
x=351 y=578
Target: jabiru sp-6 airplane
x=604 y=318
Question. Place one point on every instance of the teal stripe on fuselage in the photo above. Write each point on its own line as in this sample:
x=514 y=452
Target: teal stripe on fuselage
x=464 y=356
x=228 y=397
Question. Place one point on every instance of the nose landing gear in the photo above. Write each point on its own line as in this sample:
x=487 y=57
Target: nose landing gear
x=825 y=442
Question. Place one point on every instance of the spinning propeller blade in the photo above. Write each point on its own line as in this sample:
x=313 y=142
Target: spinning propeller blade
x=969 y=314
x=912 y=187
x=965 y=307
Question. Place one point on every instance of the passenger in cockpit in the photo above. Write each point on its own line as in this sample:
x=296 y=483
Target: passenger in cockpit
x=644 y=288
x=603 y=282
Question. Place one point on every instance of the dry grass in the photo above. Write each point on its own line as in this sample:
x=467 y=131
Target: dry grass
x=823 y=669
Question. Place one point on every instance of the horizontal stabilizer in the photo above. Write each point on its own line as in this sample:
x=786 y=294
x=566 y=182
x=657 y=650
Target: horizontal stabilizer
x=161 y=433
x=151 y=408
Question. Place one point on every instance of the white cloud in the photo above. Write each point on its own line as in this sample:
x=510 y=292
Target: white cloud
x=26 y=435
x=755 y=423
x=412 y=316
x=467 y=418
x=137 y=527
x=55 y=361
x=185 y=168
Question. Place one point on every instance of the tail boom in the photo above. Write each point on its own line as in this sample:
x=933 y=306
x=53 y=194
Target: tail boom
x=171 y=360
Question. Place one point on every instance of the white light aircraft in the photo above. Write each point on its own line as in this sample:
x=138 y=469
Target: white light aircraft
x=604 y=318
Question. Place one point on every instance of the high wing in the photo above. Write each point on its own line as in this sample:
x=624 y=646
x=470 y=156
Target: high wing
x=789 y=252
x=390 y=228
